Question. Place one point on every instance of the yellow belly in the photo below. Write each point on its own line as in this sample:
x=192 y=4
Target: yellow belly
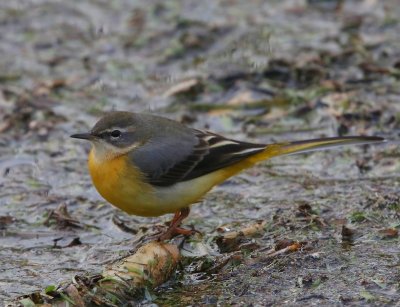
x=122 y=185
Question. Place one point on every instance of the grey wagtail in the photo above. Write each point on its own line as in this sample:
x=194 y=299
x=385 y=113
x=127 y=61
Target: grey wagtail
x=149 y=166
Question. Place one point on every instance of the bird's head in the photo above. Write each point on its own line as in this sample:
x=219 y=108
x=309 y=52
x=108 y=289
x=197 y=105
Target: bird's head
x=116 y=134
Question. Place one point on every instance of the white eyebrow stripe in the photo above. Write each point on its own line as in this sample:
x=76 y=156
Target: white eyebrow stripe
x=223 y=143
x=248 y=150
x=115 y=128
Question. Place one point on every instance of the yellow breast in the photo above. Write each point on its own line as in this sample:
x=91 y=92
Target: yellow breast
x=122 y=185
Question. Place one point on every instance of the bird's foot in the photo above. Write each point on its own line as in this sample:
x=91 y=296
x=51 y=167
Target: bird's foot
x=174 y=228
x=172 y=232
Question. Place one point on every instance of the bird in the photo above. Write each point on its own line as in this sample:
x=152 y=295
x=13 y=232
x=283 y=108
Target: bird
x=147 y=165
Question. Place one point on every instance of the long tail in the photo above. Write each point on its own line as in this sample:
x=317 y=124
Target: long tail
x=280 y=149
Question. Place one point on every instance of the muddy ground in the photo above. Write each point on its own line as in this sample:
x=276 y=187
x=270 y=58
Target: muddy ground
x=262 y=70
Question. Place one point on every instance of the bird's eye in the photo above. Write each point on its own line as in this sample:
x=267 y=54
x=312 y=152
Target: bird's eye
x=115 y=134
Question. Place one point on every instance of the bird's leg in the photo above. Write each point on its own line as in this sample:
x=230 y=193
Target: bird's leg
x=179 y=216
x=174 y=229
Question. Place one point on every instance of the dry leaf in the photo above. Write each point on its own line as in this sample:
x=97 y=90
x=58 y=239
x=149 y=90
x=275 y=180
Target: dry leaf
x=181 y=87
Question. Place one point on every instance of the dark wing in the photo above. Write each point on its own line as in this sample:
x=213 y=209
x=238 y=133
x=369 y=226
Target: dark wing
x=169 y=156
x=171 y=160
x=222 y=152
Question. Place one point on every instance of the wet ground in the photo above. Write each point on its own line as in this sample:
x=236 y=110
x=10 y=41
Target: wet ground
x=266 y=71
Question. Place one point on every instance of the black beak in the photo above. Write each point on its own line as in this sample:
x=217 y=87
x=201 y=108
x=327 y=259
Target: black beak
x=83 y=136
